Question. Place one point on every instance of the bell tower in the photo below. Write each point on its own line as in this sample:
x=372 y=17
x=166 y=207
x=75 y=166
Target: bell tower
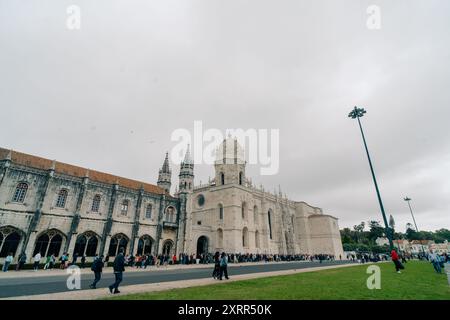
x=165 y=175
x=230 y=163
x=186 y=176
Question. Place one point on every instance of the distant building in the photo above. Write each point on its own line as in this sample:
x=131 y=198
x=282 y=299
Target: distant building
x=440 y=247
x=382 y=241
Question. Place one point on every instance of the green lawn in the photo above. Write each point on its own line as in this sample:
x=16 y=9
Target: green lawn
x=417 y=281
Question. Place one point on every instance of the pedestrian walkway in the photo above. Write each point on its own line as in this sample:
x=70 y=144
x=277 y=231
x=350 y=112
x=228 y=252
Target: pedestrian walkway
x=58 y=272
x=151 y=287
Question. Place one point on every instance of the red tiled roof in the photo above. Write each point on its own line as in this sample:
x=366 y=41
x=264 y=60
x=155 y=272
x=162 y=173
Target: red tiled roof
x=71 y=170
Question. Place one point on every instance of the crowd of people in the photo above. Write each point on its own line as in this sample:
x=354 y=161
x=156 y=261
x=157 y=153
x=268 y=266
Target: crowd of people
x=220 y=261
x=158 y=260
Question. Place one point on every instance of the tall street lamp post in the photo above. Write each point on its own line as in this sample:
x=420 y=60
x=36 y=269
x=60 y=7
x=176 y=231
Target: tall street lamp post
x=415 y=224
x=357 y=113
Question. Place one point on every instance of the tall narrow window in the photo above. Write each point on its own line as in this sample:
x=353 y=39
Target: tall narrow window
x=244 y=210
x=148 y=212
x=21 y=191
x=62 y=197
x=124 y=208
x=222 y=178
x=96 y=203
x=220 y=212
x=270 y=224
x=240 y=178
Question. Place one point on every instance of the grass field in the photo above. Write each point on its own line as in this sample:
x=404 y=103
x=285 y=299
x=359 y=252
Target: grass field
x=417 y=281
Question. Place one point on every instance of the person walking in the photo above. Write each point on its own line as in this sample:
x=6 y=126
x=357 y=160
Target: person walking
x=8 y=261
x=37 y=259
x=216 y=271
x=119 y=268
x=75 y=258
x=435 y=260
x=47 y=262
x=223 y=266
x=97 y=267
x=395 y=259
x=22 y=260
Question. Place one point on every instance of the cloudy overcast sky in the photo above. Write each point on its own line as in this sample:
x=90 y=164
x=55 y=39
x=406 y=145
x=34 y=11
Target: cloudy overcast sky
x=109 y=95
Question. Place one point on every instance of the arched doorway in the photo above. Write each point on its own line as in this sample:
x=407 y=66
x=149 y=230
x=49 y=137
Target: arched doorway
x=167 y=247
x=118 y=241
x=145 y=245
x=49 y=243
x=86 y=244
x=9 y=241
x=202 y=245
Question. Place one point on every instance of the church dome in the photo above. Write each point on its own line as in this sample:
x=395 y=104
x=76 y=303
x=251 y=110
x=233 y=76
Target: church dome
x=230 y=152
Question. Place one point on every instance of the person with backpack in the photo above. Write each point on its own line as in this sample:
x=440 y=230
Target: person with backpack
x=119 y=268
x=97 y=267
x=223 y=266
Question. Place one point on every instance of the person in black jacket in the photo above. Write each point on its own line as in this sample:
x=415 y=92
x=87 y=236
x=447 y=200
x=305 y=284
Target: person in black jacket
x=119 y=268
x=97 y=267
x=216 y=271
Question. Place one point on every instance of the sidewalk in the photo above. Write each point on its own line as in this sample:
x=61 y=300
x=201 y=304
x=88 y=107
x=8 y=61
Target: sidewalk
x=151 y=287
x=59 y=272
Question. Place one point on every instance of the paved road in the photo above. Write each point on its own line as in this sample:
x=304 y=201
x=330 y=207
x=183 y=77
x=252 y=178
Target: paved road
x=14 y=287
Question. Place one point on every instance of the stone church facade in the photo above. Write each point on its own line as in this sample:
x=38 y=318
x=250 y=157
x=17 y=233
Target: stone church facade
x=51 y=207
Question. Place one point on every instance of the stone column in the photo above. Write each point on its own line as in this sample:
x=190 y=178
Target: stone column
x=108 y=223
x=76 y=217
x=37 y=214
x=5 y=167
x=135 y=231
x=162 y=205
x=181 y=231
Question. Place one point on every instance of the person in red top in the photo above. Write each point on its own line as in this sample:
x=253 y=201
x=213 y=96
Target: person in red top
x=395 y=259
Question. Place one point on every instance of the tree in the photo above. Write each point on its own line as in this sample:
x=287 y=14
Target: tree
x=359 y=228
x=376 y=230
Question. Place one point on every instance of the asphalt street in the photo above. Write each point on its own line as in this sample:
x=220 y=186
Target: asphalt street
x=13 y=287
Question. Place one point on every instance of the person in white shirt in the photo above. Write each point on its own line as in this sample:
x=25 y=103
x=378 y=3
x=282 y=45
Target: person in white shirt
x=8 y=261
x=37 y=259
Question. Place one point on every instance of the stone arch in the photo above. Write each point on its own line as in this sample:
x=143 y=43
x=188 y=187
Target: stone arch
x=118 y=241
x=10 y=239
x=49 y=242
x=202 y=245
x=145 y=245
x=168 y=247
x=87 y=244
x=170 y=213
